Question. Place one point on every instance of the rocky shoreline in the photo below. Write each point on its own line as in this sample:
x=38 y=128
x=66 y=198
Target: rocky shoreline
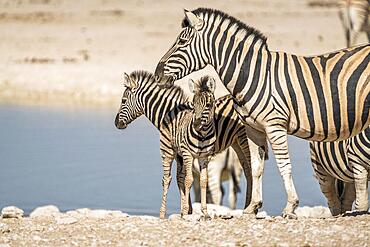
x=47 y=226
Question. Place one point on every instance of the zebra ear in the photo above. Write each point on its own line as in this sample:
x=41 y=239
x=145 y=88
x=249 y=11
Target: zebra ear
x=191 y=85
x=193 y=19
x=211 y=84
x=128 y=81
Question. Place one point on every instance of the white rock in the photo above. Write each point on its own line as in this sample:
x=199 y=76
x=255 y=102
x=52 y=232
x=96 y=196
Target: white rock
x=236 y=213
x=192 y=217
x=262 y=215
x=99 y=214
x=213 y=210
x=66 y=220
x=145 y=217
x=174 y=217
x=96 y=214
x=313 y=212
x=45 y=211
x=12 y=212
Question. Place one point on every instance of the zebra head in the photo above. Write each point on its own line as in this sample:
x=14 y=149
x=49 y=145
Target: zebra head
x=186 y=55
x=130 y=108
x=203 y=102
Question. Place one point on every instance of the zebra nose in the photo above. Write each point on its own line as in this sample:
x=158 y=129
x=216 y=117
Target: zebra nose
x=119 y=124
x=116 y=121
x=159 y=71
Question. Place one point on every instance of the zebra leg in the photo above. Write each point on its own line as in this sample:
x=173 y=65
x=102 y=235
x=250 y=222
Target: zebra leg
x=203 y=186
x=360 y=174
x=180 y=177
x=246 y=165
x=233 y=190
x=258 y=164
x=348 y=37
x=166 y=180
x=234 y=169
x=188 y=162
x=354 y=37
x=348 y=197
x=279 y=143
x=214 y=191
x=196 y=175
x=326 y=182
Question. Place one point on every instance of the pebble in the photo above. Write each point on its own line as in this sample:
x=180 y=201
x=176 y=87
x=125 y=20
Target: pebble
x=12 y=212
x=45 y=211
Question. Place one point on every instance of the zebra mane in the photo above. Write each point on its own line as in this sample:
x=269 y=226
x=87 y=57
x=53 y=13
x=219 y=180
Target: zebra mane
x=203 y=86
x=142 y=76
x=239 y=24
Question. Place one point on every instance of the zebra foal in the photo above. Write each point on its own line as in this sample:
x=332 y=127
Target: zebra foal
x=142 y=96
x=191 y=134
x=318 y=98
x=347 y=161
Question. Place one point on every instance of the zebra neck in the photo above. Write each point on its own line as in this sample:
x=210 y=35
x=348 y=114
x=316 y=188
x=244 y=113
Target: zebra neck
x=207 y=132
x=244 y=70
x=158 y=102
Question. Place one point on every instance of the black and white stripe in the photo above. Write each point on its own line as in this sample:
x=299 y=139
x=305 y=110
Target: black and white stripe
x=142 y=96
x=347 y=161
x=354 y=15
x=319 y=98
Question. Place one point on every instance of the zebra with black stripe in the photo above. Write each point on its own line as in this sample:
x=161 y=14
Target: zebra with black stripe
x=319 y=98
x=347 y=161
x=354 y=15
x=142 y=96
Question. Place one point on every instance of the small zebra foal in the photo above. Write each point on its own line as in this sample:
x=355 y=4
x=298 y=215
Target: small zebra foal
x=191 y=134
x=143 y=96
x=347 y=161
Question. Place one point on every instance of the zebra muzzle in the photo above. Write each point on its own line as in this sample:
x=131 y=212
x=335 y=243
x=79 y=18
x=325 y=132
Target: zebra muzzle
x=119 y=124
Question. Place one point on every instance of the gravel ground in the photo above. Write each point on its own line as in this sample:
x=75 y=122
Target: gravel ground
x=123 y=230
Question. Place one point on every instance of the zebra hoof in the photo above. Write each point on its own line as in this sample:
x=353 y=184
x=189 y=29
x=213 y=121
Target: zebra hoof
x=291 y=216
x=205 y=217
x=252 y=209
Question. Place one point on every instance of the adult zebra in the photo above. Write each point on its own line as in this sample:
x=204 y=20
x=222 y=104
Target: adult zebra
x=354 y=15
x=142 y=96
x=347 y=161
x=321 y=98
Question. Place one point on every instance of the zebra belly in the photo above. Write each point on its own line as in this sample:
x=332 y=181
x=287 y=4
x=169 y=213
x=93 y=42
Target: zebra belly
x=338 y=158
x=333 y=159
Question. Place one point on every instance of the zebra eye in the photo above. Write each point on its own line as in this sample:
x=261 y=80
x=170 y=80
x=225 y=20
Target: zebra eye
x=182 y=41
x=124 y=100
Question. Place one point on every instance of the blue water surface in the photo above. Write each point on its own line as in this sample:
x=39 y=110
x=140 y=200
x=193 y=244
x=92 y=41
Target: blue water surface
x=76 y=158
